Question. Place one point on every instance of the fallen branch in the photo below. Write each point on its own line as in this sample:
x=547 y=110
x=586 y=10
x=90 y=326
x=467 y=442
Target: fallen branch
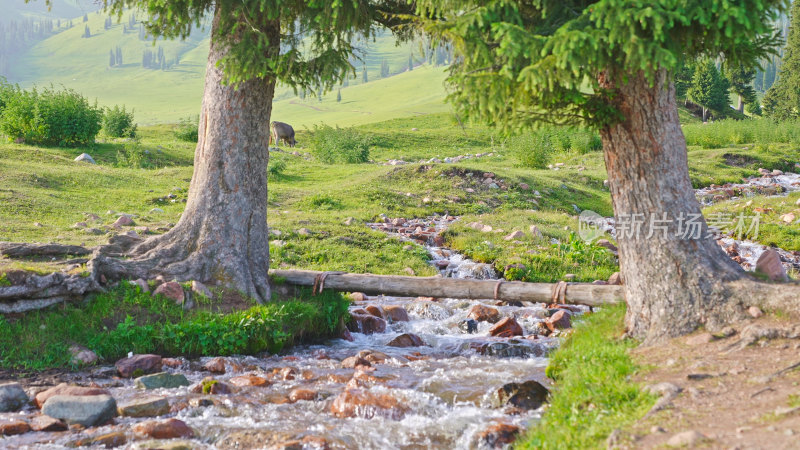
x=22 y=250
x=405 y=286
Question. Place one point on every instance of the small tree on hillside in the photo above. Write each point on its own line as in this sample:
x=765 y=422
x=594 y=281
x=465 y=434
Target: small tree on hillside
x=111 y=58
x=609 y=64
x=85 y=17
x=683 y=79
x=410 y=63
x=339 y=95
x=364 y=77
x=86 y=32
x=741 y=81
x=709 y=88
x=782 y=100
x=119 y=55
x=384 y=69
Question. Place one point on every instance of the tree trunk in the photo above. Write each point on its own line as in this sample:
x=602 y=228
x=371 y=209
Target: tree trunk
x=221 y=238
x=673 y=283
x=741 y=105
x=705 y=114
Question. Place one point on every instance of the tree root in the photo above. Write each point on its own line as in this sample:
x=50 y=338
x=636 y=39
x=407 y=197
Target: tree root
x=23 y=250
x=755 y=332
x=30 y=291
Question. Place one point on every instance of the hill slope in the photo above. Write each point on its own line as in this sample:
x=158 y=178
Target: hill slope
x=165 y=95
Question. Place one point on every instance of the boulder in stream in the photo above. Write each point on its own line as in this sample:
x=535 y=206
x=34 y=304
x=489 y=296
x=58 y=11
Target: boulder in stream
x=365 y=404
x=406 y=340
x=145 y=407
x=528 y=395
x=507 y=327
x=89 y=410
x=161 y=380
x=138 y=365
x=12 y=397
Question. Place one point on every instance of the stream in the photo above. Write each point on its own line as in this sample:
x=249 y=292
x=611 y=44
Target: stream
x=438 y=395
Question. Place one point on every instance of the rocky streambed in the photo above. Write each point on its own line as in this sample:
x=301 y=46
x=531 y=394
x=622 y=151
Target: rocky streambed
x=409 y=373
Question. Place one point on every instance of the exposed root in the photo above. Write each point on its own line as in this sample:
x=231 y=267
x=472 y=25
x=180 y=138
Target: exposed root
x=755 y=332
x=22 y=250
x=30 y=291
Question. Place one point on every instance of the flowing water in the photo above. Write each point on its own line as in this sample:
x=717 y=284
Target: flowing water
x=435 y=396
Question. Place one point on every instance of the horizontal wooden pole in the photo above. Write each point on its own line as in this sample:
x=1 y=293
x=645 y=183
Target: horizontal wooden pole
x=405 y=286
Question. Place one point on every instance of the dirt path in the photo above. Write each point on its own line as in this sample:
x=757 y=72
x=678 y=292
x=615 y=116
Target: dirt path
x=730 y=397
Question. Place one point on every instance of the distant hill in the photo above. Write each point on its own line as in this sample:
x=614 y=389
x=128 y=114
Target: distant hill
x=172 y=89
x=38 y=9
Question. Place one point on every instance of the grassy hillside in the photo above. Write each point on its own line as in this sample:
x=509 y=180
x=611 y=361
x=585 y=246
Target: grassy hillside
x=163 y=96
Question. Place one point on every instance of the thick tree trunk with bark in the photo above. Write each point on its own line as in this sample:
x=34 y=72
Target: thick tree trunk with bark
x=221 y=237
x=675 y=280
x=740 y=106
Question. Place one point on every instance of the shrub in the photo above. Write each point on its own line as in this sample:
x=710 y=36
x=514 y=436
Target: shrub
x=187 y=129
x=119 y=123
x=533 y=150
x=49 y=117
x=276 y=167
x=340 y=145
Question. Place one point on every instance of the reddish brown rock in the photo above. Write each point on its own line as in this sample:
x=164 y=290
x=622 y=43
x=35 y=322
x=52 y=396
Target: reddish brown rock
x=358 y=297
x=483 y=313
x=211 y=386
x=163 y=429
x=302 y=394
x=376 y=311
x=10 y=427
x=615 y=279
x=355 y=361
x=769 y=265
x=171 y=362
x=47 y=423
x=123 y=221
x=215 y=365
x=172 y=290
x=406 y=340
x=499 y=435
x=360 y=403
x=506 y=328
x=65 y=389
x=287 y=373
x=559 y=321
x=138 y=365
x=396 y=313
x=249 y=380
x=108 y=440
x=366 y=323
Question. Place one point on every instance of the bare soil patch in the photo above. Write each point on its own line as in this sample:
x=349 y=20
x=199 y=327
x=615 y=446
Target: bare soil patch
x=736 y=398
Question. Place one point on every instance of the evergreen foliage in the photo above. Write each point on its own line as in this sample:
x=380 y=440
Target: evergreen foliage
x=782 y=100
x=709 y=88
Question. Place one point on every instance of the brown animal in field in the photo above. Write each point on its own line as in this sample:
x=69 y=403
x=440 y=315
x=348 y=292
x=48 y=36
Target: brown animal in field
x=282 y=131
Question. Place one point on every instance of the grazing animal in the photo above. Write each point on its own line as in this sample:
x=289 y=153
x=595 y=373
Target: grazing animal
x=283 y=131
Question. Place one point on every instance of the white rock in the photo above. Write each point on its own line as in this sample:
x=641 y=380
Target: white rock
x=85 y=157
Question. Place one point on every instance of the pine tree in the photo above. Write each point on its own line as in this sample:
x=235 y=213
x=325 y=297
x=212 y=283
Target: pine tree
x=769 y=75
x=339 y=95
x=86 y=32
x=709 y=88
x=758 y=82
x=85 y=17
x=111 y=58
x=384 y=69
x=119 y=55
x=364 y=77
x=683 y=79
x=410 y=63
x=782 y=99
x=741 y=81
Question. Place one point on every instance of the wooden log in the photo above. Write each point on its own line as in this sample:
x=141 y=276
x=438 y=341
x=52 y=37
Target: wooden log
x=404 y=286
x=21 y=250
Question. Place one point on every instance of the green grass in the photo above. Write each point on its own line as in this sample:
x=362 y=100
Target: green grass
x=593 y=393
x=127 y=320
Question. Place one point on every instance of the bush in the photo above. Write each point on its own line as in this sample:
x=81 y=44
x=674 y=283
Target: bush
x=276 y=167
x=50 y=117
x=187 y=129
x=340 y=145
x=119 y=123
x=533 y=150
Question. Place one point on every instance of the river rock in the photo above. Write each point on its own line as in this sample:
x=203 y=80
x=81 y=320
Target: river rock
x=366 y=323
x=483 y=313
x=376 y=311
x=88 y=410
x=107 y=440
x=769 y=264
x=559 y=321
x=406 y=340
x=11 y=426
x=12 y=397
x=161 y=380
x=358 y=297
x=248 y=380
x=163 y=429
x=354 y=361
x=615 y=279
x=468 y=326
x=506 y=328
x=82 y=356
x=302 y=394
x=47 y=423
x=215 y=365
x=528 y=395
x=364 y=404
x=65 y=389
x=513 y=350
x=499 y=435
x=201 y=289
x=172 y=290
x=144 y=407
x=396 y=313
x=123 y=221
x=211 y=386
x=138 y=365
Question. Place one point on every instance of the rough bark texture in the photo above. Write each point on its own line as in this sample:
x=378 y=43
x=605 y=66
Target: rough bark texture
x=673 y=284
x=221 y=237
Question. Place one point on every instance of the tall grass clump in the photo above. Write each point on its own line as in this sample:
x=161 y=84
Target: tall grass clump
x=534 y=149
x=340 y=145
x=186 y=130
x=49 y=117
x=117 y=122
x=730 y=132
x=593 y=392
